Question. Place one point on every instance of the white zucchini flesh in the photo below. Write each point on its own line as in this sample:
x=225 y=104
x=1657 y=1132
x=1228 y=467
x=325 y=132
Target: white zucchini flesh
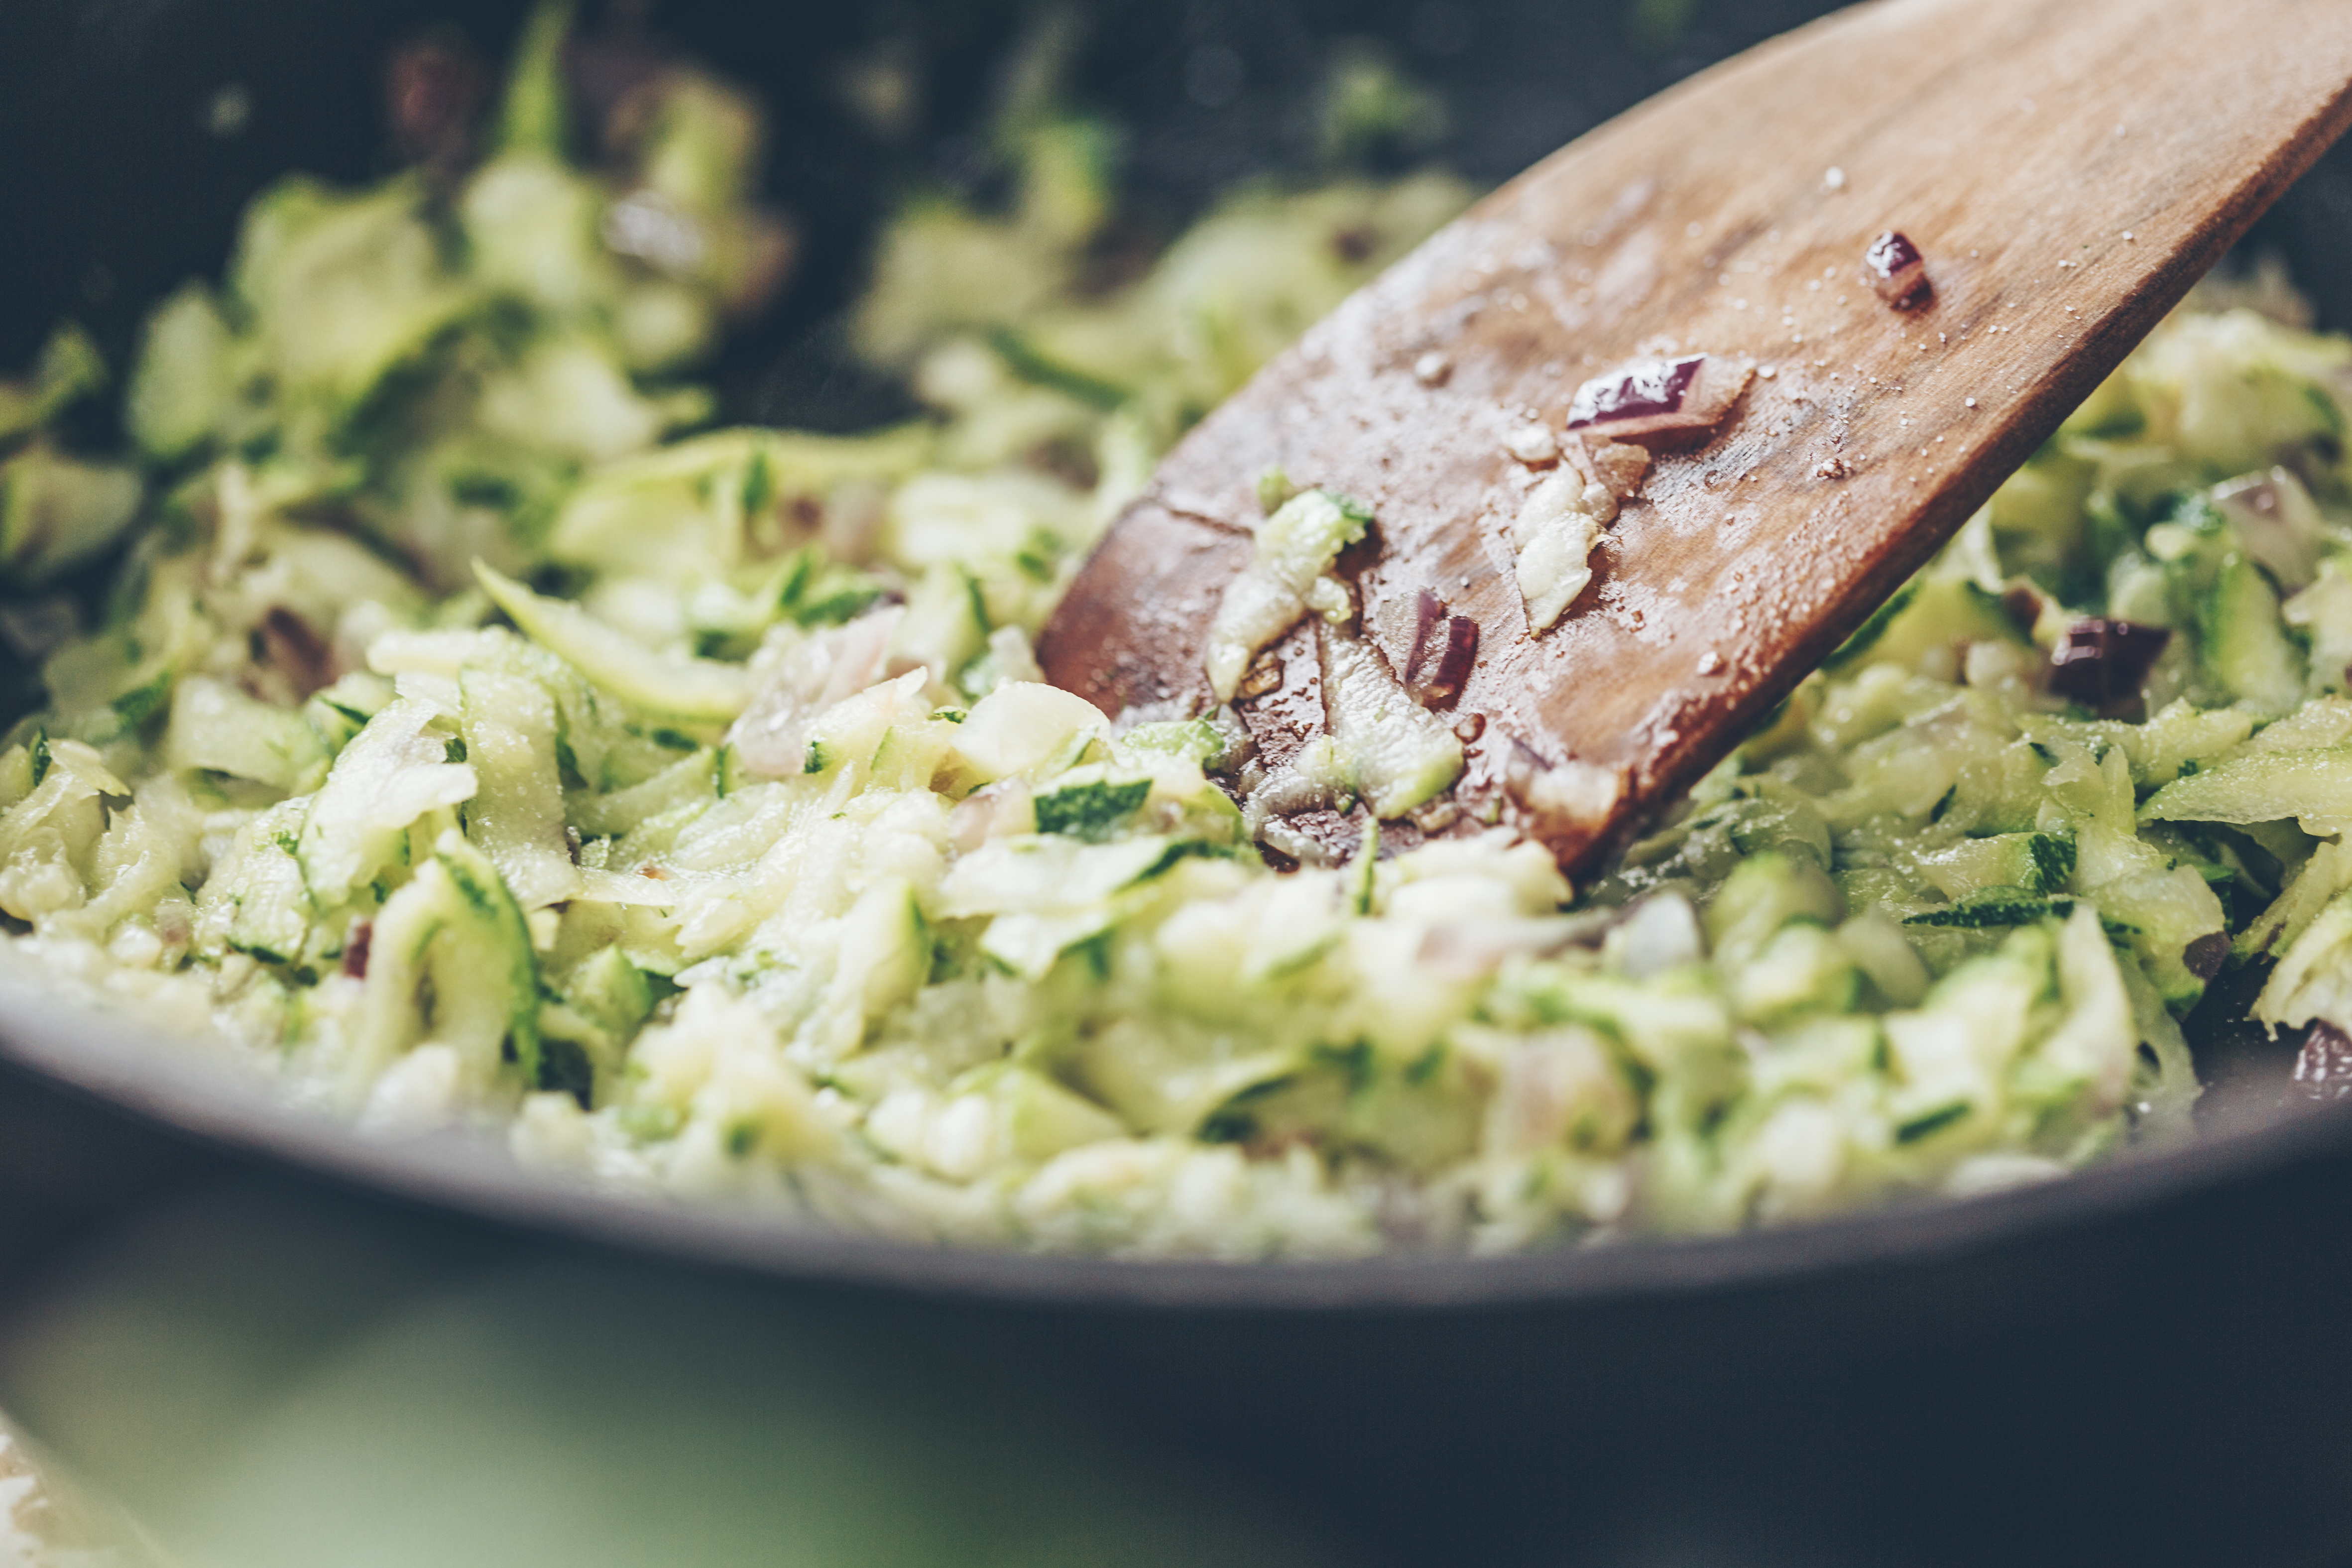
x=455 y=925
x=1295 y=547
x=393 y=772
x=1396 y=752
x=2313 y=787
x=214 y=725
x=516 y=817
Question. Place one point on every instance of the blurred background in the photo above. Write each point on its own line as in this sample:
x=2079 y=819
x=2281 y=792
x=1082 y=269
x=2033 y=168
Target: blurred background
x=208 y=1367
x=265 y=1372
x=136 y=129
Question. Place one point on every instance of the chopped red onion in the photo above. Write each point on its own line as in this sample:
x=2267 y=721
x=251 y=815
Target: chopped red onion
x=1893 y=266
x=356 y=949
x=2102 y=662
x=1452 y=669
x=298 y=650
x=1400 y=624
x=1428 y=610
x=2204 y=956
x=772 y=737
x=1571 y=795
x=1891 y=253
x=2323 y=1068
x=2023 y=604
x=1639 y=391
x=1618 y=465
x=1441 y=651
x=1521 y=764
x=1660 y=402
x=2279 y=521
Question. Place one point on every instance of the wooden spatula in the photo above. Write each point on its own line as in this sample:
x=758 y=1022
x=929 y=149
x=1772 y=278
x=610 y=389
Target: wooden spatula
x=2063 y=169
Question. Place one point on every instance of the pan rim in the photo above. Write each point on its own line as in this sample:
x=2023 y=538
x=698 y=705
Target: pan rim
x=183 y=1087
x=144 y=1072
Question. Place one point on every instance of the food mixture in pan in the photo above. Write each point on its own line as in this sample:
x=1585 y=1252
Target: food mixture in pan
x=475 y=734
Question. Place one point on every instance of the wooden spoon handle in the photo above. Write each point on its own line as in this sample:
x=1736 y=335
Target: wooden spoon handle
x=2068 y=171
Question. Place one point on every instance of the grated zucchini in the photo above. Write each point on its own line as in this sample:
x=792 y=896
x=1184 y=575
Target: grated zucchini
x=478 y=750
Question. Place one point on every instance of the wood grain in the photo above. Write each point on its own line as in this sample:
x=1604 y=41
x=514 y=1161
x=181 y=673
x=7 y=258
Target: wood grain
x=2132 y=140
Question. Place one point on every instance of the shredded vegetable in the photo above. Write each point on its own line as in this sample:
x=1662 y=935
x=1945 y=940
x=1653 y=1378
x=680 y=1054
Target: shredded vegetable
x=479 y=736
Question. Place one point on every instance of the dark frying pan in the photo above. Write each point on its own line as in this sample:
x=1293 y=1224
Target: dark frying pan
x=2150 y=1362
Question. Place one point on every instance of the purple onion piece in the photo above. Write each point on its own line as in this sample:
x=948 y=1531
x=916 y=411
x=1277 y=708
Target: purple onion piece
x=2280 y=524
x=1443 y=648
x=2204 y=957
x=356 y=949
x=2323 y=1068
x=1456 y=652
x=772 y=737
x=1639 y=391
x=1895 y=267
x=294 y=646
x=2100 y=662
x=1620 y=465
x=1428 y=610
x=1653 y=404
x=1891 y=252
x=2024 y=607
